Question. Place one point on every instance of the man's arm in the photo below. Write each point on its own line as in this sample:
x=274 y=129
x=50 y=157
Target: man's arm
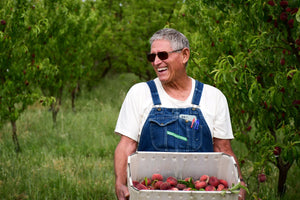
x=125 y=148
x=223 y=145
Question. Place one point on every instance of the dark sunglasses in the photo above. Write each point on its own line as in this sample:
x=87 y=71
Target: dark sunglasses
x=163 y=55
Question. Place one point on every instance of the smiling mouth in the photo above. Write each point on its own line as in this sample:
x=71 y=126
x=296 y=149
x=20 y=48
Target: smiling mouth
x=162 y=69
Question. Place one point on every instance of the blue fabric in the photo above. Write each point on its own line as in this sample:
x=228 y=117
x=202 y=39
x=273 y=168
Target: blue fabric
x=175 y=129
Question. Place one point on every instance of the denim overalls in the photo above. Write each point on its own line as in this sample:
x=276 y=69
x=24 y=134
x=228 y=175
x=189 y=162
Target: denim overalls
x=175 y=129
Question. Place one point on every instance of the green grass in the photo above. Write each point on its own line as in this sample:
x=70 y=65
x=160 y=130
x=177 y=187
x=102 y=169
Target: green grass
x=74 y=160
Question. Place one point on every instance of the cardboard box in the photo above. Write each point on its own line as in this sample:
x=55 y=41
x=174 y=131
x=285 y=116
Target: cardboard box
x=180 y=166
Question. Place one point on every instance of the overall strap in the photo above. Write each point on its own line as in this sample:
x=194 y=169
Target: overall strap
x=197 y=92
x=154 y=93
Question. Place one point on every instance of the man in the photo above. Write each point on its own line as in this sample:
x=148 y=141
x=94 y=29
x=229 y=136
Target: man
x=173 y=112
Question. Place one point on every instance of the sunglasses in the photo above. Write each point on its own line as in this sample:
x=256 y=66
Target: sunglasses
x=163 y=55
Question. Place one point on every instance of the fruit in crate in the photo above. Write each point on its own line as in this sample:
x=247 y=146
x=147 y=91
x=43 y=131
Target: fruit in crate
x=203 y=183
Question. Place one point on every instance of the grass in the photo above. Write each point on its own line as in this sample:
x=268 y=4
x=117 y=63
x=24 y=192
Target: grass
x=74 y=160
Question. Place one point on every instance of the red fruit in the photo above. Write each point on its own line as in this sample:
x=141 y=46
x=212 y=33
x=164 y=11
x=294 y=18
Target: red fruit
x=146 y=181
x=189 y=179
x=204 y=178
x=172 y=181
x=157 y=177
x=275 y=23
x=291 y=23
x=141 y=187
x=210 y=188
x=262 y=178
x=181 y=186
x=26 y=82
x=200 y=184
x=283 y=16
x=3 y=22
x=134 y=183
x=282 y=61
x=223 y=182
x=297 y=42
x=150 y=187
x=157 y=184
x=282 y=90
x=271 y=3
x=213 y=181
x=174 y=188
x=24 y=71
x=165 y=186
x=296 y=102
x=294 y=10
x=249 y=128
x=284 y=4
x=187 y=189
x=220 y=187
x=277 y=151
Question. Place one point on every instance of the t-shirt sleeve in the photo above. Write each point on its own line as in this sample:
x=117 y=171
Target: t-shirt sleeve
x=222 y=123
x=129 y=120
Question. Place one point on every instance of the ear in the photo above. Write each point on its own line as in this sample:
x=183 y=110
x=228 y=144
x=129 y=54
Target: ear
x=185 y=55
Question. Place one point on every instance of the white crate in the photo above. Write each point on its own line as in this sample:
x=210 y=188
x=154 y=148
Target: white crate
x=181 y=165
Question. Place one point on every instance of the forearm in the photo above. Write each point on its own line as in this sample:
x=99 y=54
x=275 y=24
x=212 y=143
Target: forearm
x=225 y=147
x=125 y=148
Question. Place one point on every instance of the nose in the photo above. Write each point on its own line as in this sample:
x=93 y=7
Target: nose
x=157 y=61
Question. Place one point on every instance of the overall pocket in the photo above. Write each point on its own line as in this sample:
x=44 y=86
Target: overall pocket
x=159 y=128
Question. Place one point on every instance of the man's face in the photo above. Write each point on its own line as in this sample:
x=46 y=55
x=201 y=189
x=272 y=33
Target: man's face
x=170 y=69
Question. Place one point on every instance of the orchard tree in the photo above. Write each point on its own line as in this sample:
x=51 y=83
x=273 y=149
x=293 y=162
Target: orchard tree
x=250 y=50
x=17 y=71
x=64 y=48
x=127 y=26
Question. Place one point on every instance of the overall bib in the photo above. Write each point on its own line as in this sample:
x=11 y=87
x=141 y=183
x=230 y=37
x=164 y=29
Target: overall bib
x=175 y=129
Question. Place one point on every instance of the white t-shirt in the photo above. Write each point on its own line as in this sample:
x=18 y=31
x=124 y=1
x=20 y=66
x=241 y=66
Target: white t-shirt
x=138 y=104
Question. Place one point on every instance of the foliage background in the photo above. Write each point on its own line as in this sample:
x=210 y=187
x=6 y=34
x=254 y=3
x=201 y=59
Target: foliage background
x=60 y=63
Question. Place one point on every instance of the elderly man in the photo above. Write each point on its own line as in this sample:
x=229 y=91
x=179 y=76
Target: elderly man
x=173 y=112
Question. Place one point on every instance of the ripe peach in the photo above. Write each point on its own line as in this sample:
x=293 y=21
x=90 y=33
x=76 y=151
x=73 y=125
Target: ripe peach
x=204 y=178
x=262 y=178
x=134 y=183
x=200 y=184
x=157 y=184
x=146 y=181
x=172 y=181
x=220 y=187
x=157 y=177
x=213 y=181
x=141 y=187
x=210 y=188
x=165 y=186
x=181 y=186
x=225 y=183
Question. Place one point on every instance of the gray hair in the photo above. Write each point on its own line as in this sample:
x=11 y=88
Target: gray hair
x=177 y=39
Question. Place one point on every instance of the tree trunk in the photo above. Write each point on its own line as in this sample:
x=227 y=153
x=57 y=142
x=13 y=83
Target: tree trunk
x=74 y=92
x=56 y=106
x=15 y=137
x=283 y=171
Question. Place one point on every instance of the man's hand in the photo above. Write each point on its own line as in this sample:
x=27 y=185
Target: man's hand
x=122 y=192
x=124 y=149
x=242 y=194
